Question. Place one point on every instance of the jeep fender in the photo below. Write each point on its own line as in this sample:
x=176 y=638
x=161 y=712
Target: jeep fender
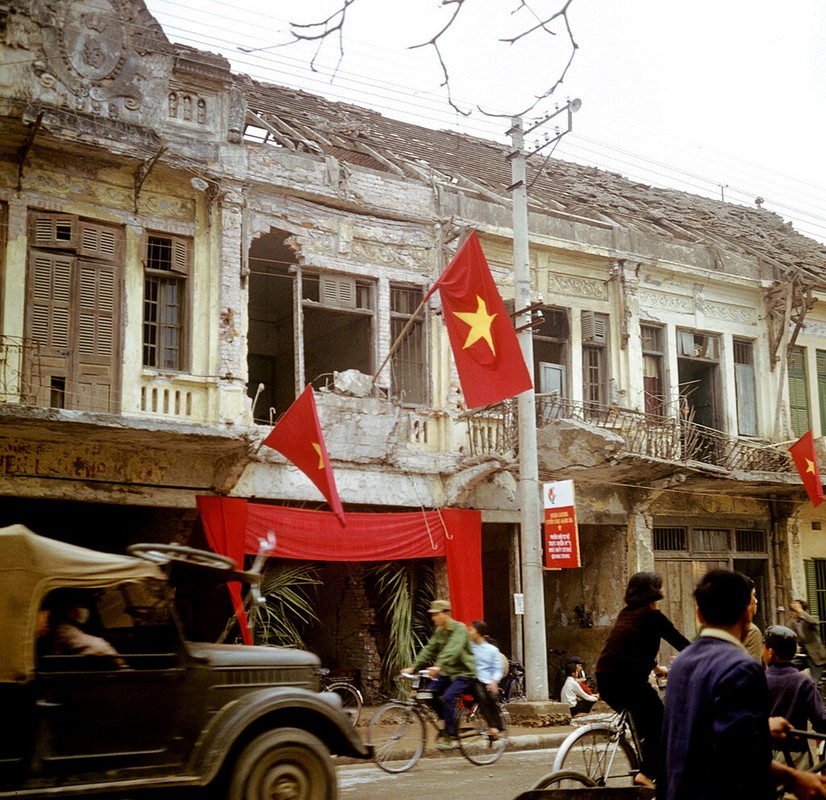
x=241 y=720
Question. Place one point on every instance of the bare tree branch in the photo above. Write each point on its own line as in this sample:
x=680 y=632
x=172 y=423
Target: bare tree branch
x=334 y=24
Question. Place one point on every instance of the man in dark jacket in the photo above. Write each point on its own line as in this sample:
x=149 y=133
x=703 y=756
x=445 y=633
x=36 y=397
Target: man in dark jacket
x=716 y=735
x=451 y=665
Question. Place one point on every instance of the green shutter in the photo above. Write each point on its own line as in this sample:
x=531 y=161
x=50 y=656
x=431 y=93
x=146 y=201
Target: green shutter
x=798 y=392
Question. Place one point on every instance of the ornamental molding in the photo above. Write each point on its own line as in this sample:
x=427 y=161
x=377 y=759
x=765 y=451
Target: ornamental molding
x=576 y=287
x=730 y=313
x=671 y=302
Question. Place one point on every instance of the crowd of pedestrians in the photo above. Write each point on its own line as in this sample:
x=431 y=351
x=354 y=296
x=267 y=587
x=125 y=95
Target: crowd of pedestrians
x=733 y=695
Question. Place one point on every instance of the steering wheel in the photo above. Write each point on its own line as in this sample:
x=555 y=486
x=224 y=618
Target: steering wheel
x=165 y=553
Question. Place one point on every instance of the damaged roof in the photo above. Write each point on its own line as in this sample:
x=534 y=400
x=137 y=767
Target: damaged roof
x=305 y=122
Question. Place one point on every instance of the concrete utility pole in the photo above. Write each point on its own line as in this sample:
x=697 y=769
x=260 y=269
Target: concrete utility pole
x=533 y=588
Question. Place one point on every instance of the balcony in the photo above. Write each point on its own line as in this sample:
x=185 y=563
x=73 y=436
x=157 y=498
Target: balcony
x=493 y=431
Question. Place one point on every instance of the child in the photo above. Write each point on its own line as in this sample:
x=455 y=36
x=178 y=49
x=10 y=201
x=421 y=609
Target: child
x=577 y=699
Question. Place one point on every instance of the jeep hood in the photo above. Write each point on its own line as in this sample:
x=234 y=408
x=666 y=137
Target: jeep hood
x=236 y=655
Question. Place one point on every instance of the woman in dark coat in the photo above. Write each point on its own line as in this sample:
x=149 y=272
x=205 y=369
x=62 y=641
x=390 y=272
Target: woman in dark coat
x=627 y=660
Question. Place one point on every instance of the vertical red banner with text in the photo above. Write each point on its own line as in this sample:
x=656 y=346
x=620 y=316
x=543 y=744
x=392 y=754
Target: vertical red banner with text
x=560 y=536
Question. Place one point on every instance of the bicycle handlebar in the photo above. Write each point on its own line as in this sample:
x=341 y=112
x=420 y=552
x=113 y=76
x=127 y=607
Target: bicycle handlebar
x=806 y=734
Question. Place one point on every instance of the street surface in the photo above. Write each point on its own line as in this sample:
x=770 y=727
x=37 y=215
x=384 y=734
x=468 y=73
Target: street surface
x=452 y=776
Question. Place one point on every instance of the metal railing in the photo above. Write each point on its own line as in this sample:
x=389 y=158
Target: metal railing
x=16 y=386
x=493 y=430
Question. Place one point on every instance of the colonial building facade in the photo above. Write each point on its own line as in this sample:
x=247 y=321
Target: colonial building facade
x=183 y=249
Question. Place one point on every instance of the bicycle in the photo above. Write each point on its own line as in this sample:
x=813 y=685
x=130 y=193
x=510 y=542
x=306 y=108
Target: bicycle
x=512 y=686
x=398 y=729
x=345 y=688
x=605 y=750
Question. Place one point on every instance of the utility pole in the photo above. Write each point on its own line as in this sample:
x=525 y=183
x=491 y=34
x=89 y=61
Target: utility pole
x=533 y=588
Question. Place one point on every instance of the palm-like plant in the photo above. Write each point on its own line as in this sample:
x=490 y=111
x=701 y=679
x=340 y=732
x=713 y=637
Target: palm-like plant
x=288 y=591
x=406 y=589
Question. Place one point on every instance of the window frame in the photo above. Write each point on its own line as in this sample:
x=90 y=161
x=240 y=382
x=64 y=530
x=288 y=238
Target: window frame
x=177 y=275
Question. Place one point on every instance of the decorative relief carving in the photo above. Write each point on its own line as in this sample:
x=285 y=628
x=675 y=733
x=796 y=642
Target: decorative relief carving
x=166 y=206
x=188 y=107
x=813 y=329
x=91 y=52
x=577 y=287
x=671 y=302
x=730 y=313
x=391 y=255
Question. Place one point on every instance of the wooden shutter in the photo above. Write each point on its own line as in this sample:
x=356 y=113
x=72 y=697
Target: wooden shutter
x=48 y=323
x=54 y=231
x=594 y=327
x=97 y=345
x=337 y=291
x=746 y=399
x=100 y=241
x=798 y=392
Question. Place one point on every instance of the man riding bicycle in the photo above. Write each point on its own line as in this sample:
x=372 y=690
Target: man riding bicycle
x=451 y=665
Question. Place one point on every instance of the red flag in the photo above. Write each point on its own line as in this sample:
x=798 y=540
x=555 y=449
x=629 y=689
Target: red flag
x=297 y=435
x=487 y=353
x=803 y=453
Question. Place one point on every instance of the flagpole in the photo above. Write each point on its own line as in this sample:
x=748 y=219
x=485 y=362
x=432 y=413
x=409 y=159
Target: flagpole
x=400 y=338
x=533 y=589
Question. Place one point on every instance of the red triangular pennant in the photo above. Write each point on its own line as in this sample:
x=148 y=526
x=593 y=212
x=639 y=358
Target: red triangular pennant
x=297 y=436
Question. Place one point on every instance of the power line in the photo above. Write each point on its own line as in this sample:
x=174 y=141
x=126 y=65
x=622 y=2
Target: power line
x=379 y=88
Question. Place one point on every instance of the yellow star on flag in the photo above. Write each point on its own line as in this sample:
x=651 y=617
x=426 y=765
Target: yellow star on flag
x=480 y=322
x=810 y=466
x=317 y=448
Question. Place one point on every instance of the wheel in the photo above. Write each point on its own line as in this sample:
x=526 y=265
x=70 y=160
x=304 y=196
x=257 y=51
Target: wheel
x=164 y=553
x=288 y=762
x=474 y=739
x=600 y=752
x=350 y=699
x=397 y=735
x=564 y=779
x=516 y=688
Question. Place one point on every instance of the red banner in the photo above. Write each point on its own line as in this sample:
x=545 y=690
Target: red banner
x=561 y=535
x=234 y=527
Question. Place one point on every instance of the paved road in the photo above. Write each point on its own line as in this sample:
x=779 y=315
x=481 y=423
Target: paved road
x=450 y=776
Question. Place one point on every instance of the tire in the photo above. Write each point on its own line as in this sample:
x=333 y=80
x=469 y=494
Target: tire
x=288 y=762
x=564 y=779
x=350 y=699
x=596 y=751
x=516 y=689
x=396 y=733
x=475 y=742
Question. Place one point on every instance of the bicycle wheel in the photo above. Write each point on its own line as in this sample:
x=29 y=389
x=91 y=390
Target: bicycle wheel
x=564 y=779
x=475 y=741
x=602 y=753
x=396 y=733
x=350 y=699
x=516 y=688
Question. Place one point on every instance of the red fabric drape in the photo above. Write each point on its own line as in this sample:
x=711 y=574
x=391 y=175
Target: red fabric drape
x=453 y=533
x=227 y=516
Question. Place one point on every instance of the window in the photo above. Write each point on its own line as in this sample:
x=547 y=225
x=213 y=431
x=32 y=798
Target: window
x=698 y=376
x=551 y=339
x=72 y=312
x=653 y=371
x=745 y=387
x=338 y=325
x=816 y=589
x=595 y=358
x=798 y=392
x=408 y=365
x=166 y=265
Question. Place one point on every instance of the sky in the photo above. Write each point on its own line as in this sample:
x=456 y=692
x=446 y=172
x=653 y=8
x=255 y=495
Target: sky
x=720 y=98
